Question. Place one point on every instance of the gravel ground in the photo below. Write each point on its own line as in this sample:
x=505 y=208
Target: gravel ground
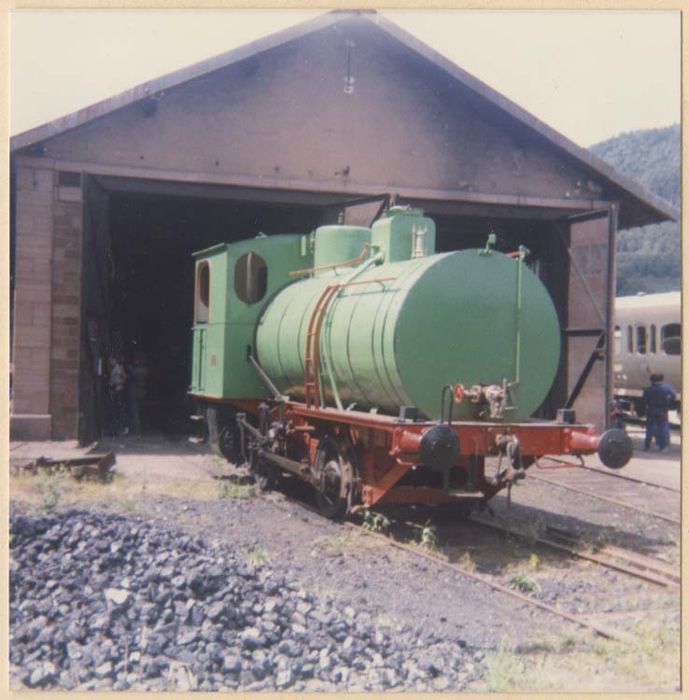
x=100 y=601
x=433 y=629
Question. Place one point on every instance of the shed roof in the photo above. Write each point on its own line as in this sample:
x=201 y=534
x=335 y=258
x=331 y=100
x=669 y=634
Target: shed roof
x=639 y=205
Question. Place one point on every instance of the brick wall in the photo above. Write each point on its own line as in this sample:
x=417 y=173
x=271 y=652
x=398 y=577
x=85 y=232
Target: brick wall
x=33 y=297
x=66 y=300
x=47 y=307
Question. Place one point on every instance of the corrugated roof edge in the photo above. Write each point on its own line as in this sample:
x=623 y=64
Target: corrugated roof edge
x=585 y=157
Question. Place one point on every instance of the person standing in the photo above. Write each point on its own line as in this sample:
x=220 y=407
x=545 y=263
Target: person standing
x=136 y=391
x=659 y=398
x=116 y=389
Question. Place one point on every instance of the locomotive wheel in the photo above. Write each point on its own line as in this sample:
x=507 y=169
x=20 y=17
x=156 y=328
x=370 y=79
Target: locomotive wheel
x=266 y=476
x=228 y=442
x=223 y=433
x=333 y=480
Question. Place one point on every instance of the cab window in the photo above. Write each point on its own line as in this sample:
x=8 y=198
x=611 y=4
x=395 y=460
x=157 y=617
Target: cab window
x=203 y=292
x=250 y=278
x=671 y=339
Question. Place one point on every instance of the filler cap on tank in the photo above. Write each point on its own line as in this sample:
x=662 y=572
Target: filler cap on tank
x=404 y=233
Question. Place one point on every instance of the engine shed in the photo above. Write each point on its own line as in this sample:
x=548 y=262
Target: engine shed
x=326 y=122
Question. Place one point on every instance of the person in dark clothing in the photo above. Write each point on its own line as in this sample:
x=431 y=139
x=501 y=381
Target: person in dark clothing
x=116 y=383
x=136 y=391
x=659 y=398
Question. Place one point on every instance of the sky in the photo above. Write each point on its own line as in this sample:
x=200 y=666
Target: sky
x=590 y=75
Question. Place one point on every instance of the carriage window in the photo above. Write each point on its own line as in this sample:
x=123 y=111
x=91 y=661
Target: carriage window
x=671 y=339
x=652 y=339
x=630 y=340
x=250 y=278
x=203 y=291
x=618 y=340
x=641 y=340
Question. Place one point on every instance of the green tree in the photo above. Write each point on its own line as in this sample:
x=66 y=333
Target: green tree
x=648 y=258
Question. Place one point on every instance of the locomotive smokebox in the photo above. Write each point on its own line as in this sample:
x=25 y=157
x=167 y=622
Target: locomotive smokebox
x=439 y=448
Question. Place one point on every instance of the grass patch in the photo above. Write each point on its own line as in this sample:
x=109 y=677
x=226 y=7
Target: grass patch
x=649 y=661
x=45 y=492
x=504 y=668
x=520 y=581
x=228 y=489
x=385 y=620
x=258 y=555
x=467 y=562
x=376 y=522
x=429 y=537
x=348 y=540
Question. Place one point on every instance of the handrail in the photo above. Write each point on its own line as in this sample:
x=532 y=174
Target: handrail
x=330 y=266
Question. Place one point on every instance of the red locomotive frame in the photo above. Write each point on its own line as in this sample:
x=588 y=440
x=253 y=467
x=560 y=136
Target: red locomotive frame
x=359 y=460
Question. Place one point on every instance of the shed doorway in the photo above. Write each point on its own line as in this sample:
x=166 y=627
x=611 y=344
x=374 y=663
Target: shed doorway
x=138 y=292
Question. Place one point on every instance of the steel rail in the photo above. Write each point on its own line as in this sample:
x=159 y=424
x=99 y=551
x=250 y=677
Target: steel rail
x=652 y=573
x=415 y=551
x=628 y=478
x=607 y=499
x=633 y=613
x=641 y=560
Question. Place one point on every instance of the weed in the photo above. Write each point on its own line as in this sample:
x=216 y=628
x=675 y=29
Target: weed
x=429 y=536
x=537 y=646
x=385 y=620
x=521 y=582
x=606 y=535
x=257 y=556
x=503 y=667
x=376 y=522
x=534 y=526
x=50 y=488
x=648 y=661
x=235 y=491
x=534 y=562
x=467 y=562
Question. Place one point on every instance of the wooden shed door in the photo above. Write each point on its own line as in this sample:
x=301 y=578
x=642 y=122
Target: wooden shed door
x=589 y=319
x=95 y=331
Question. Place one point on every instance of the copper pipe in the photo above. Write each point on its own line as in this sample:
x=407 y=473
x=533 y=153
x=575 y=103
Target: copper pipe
x=331 y=266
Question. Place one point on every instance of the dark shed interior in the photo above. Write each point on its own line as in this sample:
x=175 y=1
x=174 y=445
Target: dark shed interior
x=147 y=254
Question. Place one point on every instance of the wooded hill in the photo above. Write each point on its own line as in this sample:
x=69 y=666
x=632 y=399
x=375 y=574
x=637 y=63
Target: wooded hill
x=648 y=258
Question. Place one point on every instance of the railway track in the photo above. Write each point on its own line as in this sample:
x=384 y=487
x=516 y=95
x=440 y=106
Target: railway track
x=649 y=569
x=626 y=477
x=416 y=551
x=595 y=484
x=641 y=566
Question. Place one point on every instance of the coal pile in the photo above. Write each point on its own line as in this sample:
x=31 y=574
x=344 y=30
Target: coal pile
x=101 y=601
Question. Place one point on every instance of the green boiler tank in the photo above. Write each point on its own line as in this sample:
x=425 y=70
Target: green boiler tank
x=395 y=333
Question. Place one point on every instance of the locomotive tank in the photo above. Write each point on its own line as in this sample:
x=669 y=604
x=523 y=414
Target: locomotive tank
x=395 y=331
